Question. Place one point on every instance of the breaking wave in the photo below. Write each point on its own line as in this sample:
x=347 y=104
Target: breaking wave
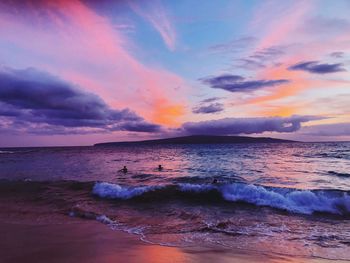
x=292 y=200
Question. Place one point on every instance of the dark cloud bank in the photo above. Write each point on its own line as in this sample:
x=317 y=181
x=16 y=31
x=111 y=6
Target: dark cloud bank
x=317 y=67
x=29 y=97
x=233 y=126
x=36 y=102
x=236 y=83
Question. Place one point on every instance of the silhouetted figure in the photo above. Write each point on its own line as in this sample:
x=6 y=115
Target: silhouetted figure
x=215 y=181
x=160 y=167
x=124 y=170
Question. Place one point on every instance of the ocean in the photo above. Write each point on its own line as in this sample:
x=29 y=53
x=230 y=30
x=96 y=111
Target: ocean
x=282 y=198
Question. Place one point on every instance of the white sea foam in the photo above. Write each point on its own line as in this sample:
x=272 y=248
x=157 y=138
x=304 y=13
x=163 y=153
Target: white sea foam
x=115 y=191
x=296 y=201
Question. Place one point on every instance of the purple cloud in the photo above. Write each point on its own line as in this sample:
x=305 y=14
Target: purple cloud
x=231 y=126
x=32 y=97
x=210 y=108
x=211 y=99
x=269 y=53
x=334 y=129
x=262 y=58
x=256 y=59
x=317 y=67
x=235 y=83
x=337 y=54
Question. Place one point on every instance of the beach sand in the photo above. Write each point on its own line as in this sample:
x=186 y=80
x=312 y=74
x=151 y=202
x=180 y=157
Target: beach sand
x=35 y=227
x=89 y=241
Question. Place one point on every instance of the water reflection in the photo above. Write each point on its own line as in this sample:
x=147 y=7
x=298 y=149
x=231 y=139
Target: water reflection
x=298 y=165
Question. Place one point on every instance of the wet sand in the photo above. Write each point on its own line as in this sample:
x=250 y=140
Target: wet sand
x=89 y=241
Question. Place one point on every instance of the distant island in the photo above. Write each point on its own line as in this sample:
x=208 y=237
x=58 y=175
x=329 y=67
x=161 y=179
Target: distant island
x=198 y=139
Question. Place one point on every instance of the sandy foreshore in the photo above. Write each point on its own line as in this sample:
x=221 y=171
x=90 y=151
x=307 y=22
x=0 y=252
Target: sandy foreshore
x=35 y=227
x=88 y=241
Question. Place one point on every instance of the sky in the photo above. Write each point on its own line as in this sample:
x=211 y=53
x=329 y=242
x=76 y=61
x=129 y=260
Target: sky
x=79 y=72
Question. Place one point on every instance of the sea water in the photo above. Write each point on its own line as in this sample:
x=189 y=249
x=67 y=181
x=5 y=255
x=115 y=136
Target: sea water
x=284 y=198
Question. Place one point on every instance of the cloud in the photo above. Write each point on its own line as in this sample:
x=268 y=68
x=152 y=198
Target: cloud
x=262 y=58
x=155 y=13
x=229 y=126
x=81 y=42
x=233 y=46
x=337 y=54
x=253 y=60
x=287 y=16
x=235 y=83
x=269 y=52
x=249 y=64
x=211 y=99
x=210 y=108
x=29 y=97
x=325 y=25
x=334 y=129
x=317 y=67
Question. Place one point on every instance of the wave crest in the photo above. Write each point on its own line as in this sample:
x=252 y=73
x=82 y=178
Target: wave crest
x=115 y=191
x=292 y=200
x=297 y=201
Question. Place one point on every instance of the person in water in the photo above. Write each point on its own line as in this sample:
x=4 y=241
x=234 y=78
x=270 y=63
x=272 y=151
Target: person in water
x=160 y=167
x=215 y=181
x=124 y=170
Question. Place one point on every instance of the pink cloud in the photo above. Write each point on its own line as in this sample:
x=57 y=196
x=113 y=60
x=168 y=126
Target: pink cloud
x=287 y=18
x=288 y=27
x=69 y=39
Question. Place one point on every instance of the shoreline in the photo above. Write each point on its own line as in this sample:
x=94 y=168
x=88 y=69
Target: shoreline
x=78 y=240
x=36 y=227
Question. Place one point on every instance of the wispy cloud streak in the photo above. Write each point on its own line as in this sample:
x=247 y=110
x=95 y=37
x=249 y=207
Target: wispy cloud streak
x=156 y=14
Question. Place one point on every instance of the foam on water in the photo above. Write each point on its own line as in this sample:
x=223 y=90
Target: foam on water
x=115 y=191
x=295 y=201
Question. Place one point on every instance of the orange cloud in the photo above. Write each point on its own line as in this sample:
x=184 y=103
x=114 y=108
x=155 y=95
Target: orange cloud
x=296 y=84
x=280 y=111
x=168 y=114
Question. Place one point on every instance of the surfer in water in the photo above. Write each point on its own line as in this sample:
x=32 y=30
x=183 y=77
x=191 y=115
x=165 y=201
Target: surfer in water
x=124 y=170
x=160 y=167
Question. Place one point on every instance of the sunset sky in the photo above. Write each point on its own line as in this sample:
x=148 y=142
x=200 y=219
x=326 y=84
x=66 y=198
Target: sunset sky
x=78 y=72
